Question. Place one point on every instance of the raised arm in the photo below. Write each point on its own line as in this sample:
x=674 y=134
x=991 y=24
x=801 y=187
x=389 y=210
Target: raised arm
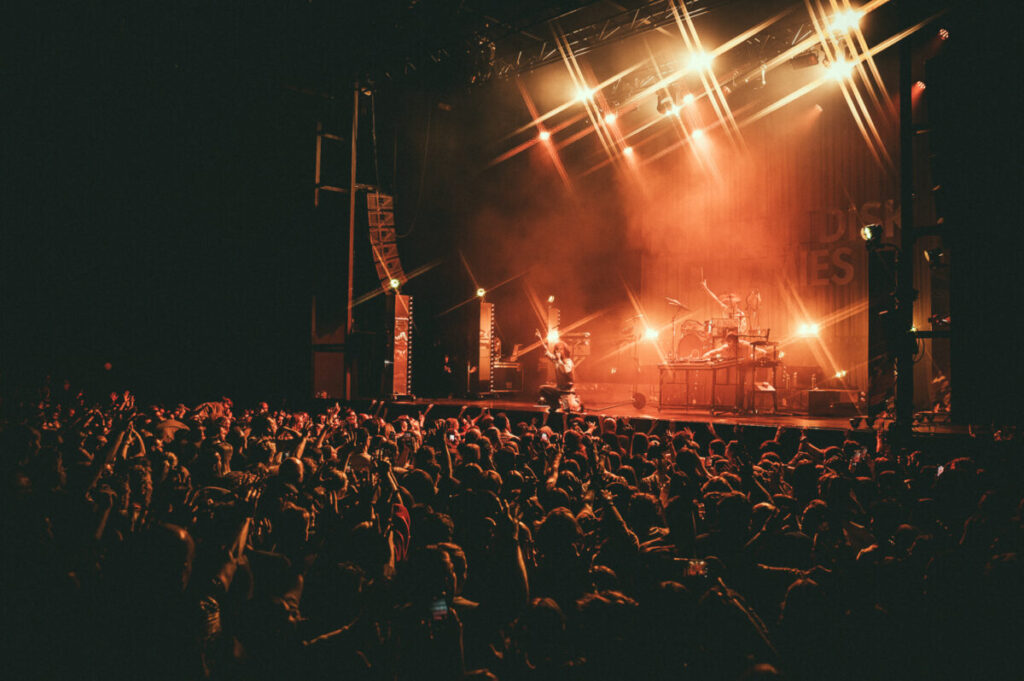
x=704 y=285
x=544 y=344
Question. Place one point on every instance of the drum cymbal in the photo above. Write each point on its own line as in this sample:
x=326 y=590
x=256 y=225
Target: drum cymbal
x=675 y=303
x=730 y=298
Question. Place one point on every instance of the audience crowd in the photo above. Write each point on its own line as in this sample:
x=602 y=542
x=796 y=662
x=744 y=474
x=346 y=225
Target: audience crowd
x=212 y=542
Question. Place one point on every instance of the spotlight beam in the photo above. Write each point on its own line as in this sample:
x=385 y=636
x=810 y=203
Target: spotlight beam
x=711 y=85
x=576 y=73
x=643 y=315
x=477 y=287
x=815 y=84
x=551 y=151
x=816 y=344
x=469 y=270
x=562 y=330
x=858 y=110
x=514 y=151
x=666 y=81
x=678 y=125
x=538 y=119
x=535 y=303
x=422 y=269
x=870 y=84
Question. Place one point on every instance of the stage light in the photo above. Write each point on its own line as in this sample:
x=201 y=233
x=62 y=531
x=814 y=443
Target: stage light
x=807 y=330
x=841 y=373
x=480 y=293
x=818 y=108
x=544 y=135
x=782 y=353
x=701 y=61
x=610 y=117
x=688 y=99
x=553 y=336
x=551 y=299
x=920 y=85
x=913 y=329
x=395 y=284
x=614 y=370
x=628 y=151
x=846 y=20
x=584 y=94
x=872 y=234
x=698 y=134
x=943 y=34
x=650 y=334
x=933 y=256
x=840 y=69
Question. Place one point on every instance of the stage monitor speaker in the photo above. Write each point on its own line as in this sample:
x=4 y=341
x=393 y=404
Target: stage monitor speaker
x=831 y=403
x=507 y=377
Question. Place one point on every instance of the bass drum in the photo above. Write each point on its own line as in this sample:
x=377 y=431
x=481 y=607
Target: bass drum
x=691 y=346
x=692 y=325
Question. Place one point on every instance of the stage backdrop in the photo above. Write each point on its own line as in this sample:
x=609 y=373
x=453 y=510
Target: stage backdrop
x=781 y=216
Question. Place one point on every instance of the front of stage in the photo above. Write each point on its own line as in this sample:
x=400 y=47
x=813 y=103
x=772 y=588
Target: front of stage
x=941 y=438
x=648 y=412
x=525 y=410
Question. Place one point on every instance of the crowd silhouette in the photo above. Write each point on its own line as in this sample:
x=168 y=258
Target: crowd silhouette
x=174 y=542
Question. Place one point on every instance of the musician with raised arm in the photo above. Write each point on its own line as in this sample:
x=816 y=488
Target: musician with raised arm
x=563 y=392
x=729 y=302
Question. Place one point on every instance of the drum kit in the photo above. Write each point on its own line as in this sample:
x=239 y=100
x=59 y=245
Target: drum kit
x=693 y=339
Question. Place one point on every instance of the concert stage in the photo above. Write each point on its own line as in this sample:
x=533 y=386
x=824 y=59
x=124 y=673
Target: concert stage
x=649 y=412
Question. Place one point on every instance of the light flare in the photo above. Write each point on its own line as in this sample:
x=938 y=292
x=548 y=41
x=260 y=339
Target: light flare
x=845 y=20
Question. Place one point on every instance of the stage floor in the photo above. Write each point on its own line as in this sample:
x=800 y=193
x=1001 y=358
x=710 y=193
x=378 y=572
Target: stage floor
x=649 y=412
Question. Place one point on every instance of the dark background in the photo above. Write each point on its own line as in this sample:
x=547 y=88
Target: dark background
x=159 y=178
x=157 y=210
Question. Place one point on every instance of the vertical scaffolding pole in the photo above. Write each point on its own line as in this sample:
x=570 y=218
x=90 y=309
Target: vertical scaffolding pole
x=904 y=338
x=351 y=243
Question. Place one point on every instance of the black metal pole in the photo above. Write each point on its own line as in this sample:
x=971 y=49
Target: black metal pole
x=351 y=244
x=905 y=258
